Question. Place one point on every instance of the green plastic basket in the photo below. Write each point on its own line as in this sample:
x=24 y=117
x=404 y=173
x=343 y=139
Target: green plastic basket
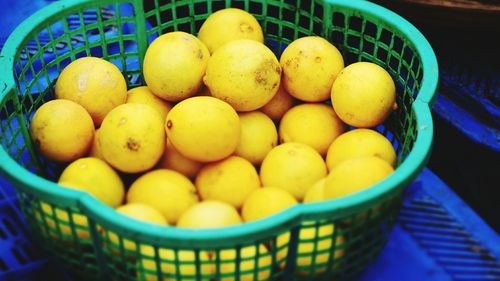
x=331 y=240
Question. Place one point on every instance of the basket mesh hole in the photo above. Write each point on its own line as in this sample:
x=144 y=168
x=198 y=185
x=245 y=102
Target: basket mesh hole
x=166 y=16
x=166 y=29
x=271 y=28
x=338 y=20
x=382 y=54
x=238 y=4
x=186 y=27
x=200 y=8
x=370 y=29
x=182 y=12
x=289 y=15
x=288 y=32
x=305 y=22
x=317 y=27
x=217 y=5
x=355 y=23
x=394 y=64
x=353 y=41
x=273 y=12
x=368 y=48
x=385 y=37
x=255 y=8
x=337 y=38
x=302 y=34
x=408 y=57
x=398 y=45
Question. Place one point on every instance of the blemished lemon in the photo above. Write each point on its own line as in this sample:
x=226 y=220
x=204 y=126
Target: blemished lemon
x=314 y=124
x=174 y=65
x=311 y=239
x=316 y=193
x=62 y=130
x=265 y=202
x=229 y=180
x=132 y=138
x=294 y=167
x=210 y=214
x=169 y=260
x=144 y=96
x=278 y=105
x=96 y=177
x=95 y=149
x=363 y=95
x=165 y=190
x=204 y=129
x=358 y=143
x=354 y=175
x=310 y=65
x=95 y=84
x=248 y=263
x=258 y=136
x=228 y=25
x=173 y=160
x=244 y=73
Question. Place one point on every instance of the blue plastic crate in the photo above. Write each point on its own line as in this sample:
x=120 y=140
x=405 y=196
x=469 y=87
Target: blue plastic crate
x=437 y=237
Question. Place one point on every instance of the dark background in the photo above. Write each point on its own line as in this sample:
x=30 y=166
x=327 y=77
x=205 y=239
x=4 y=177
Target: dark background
x=466 y=41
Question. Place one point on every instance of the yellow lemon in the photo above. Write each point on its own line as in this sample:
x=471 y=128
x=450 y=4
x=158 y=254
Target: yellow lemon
x=249 y=263
x=265 y=202
x=278 y=105
x=203 y=128
x=144 y=96
x=310 y=65
x=258 y=136
x=363 y=95
x=96 y=177
x=358 y=143
x=294 y=167
x=354 y=175
x=315 y=248
x=173 y=263
x=244 y=73
x=173 y=160
x=174 y=65
x=314 y=124
x=132 y=138
x=229 y=180
x=316 y=193
x=168 y=191
x=62 y=130
x=140 y=212
x=228 y=25
x=95 y=84
x=209 y=214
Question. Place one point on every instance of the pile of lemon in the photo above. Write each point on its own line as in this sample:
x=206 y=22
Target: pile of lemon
x=224 y=132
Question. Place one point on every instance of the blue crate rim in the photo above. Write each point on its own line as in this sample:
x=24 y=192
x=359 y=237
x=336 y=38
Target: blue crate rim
x=169 y=236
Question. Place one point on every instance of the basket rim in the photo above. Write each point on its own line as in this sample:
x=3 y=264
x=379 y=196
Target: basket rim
x=181 y=237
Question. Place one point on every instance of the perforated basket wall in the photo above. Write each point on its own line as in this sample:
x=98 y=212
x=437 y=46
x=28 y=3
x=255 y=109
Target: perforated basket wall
x=333 y=239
